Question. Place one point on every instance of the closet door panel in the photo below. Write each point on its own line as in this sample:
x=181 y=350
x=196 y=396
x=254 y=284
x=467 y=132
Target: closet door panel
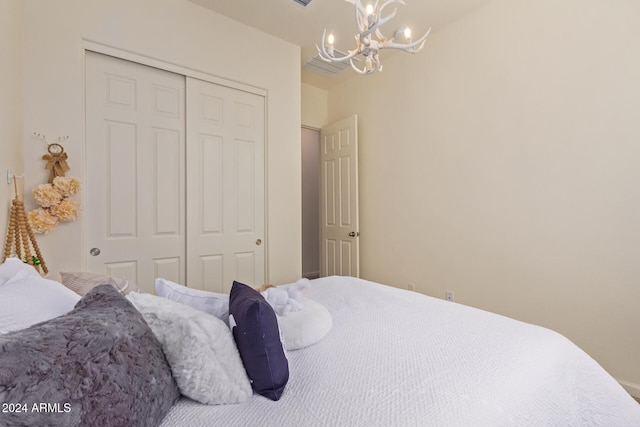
x=167 y=155
x=226 y=191
x=211 y=183
x=135 y=137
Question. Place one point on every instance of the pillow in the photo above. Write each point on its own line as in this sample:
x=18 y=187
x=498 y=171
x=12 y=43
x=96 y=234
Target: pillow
x=199 y=348
x=26 y=299
x=11 y=266
x=305 y=327
x=100 y=364
x=209 y=302
x=255 y=330
x=83 y=282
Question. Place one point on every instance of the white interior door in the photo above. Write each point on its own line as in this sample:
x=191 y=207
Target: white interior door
x=339 y=234
x=225 y=186
x=135 y=163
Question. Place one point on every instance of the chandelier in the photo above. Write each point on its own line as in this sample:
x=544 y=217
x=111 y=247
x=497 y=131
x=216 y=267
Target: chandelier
x=370 y=39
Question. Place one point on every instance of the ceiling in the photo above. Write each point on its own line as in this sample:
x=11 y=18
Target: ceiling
x=303 y=26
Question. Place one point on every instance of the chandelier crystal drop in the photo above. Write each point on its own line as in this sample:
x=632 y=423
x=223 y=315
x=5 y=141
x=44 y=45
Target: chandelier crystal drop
x=370 y=40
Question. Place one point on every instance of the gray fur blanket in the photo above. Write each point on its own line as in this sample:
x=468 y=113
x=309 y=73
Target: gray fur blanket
x=98 y=365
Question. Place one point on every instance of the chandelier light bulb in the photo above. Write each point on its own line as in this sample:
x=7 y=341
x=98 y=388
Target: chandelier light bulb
x=369 y=9
x=407 y=33
x=330 y=41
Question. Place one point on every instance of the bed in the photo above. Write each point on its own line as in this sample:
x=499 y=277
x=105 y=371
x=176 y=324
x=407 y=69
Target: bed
x=398 y=358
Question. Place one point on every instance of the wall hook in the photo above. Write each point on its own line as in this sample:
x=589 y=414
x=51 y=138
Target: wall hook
x=47 y=142
x=11 y=176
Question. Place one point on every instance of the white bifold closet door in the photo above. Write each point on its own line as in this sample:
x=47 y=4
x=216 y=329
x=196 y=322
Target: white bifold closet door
x=174 y=177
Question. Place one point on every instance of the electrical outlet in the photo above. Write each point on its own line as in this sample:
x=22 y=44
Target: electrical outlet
x=448 y=296
x=411 y=286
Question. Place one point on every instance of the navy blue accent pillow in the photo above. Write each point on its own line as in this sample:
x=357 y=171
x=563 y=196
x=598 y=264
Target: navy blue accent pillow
x=258 y=339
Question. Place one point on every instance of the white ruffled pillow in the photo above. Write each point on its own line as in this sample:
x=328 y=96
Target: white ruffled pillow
x=200 y=349
x=209 y=302
x=305 y=327
x=12 y=266
x=27 y=299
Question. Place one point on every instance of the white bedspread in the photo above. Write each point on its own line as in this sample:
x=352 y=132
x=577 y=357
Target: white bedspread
x=398 y=358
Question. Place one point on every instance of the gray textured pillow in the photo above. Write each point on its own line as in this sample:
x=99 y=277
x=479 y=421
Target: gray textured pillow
x=81 y=282
x=98 y=365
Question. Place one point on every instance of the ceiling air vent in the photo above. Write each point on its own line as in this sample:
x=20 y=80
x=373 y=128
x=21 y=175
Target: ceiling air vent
x=328 y=69
x=302 y=2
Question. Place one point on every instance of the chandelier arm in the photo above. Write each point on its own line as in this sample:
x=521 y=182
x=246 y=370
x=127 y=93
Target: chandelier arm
x=324 y=54
x=381 y=37
x=406 y=46
x=378 y=64
x=361 y=21
x=361 y=15
x=352 y=54
x=373 y=59
x=356 y=69
x=328 y=58
x=364 y=71
x=378 y=23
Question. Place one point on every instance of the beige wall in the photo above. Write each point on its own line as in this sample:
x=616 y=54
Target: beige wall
x=314 y=106
x=176 y=32
x=501 y=163
x=10 y=102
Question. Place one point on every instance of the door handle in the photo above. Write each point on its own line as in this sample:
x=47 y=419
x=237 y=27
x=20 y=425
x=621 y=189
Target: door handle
x=94 y=252
x=354 y=234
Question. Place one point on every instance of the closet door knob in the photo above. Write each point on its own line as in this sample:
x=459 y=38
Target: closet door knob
x=94 y=252
x=258 y=242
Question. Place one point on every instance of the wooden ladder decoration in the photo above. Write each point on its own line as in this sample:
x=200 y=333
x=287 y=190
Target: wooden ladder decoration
x=21 y=242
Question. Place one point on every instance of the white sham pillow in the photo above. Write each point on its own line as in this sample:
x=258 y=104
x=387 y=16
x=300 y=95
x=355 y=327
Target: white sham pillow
x=209 y=302
x=11 y=266
x=27 y=299
x=305 y=327
x=200 y=349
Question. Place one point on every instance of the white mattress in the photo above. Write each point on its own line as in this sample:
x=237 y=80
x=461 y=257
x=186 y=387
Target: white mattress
x=398 y=358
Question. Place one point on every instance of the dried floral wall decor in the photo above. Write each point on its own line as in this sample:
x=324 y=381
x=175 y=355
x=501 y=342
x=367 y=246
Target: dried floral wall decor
x=55 y=204
x=54 y=197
